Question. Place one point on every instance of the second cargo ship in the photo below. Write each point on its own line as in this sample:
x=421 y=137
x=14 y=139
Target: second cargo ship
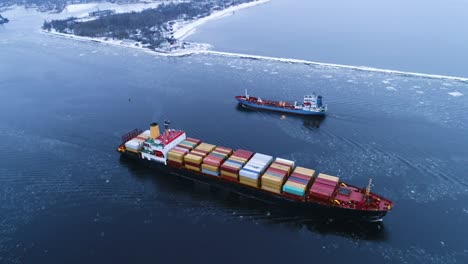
x=312 y=105
x=273 y=180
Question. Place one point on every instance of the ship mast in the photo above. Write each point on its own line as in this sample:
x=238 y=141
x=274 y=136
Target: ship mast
x=166 y=130
x=368 y=188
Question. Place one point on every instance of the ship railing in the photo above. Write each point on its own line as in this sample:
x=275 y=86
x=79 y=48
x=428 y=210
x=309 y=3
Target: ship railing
x=130 y=135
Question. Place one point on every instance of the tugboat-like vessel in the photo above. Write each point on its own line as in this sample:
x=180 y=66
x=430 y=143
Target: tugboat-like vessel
x=312 y=105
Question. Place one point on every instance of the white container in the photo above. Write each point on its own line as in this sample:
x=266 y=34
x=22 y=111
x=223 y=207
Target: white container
x=261 y=157
x=285 y=161
x=134 y=144
x=249 y=174
x=145 y=134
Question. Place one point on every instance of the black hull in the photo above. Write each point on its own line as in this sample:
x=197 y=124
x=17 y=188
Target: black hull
x=292 y=206
x=283 y=111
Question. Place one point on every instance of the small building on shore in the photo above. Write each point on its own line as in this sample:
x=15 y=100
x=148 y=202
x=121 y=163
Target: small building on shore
x=100 y=13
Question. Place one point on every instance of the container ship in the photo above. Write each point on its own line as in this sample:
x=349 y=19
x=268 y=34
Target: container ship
x=311 y=105
x=277 y=181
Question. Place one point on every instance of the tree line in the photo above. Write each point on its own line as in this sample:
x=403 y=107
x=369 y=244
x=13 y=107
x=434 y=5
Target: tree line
x=147 y=26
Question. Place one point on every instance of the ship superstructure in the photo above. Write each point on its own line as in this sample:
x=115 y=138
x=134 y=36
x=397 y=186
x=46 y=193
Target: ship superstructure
x=156 y=146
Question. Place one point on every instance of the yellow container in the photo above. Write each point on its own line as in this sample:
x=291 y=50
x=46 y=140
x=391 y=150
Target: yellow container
x=245 y=179
x=272 y=179
x=280 y=167
x=328 y=177
x=305 y=171
x=199 y=152
x=132 y=150
x=210 y=168
x=273 y=190
x=176 y=159
x=206 y=147
x=193 y=158
x=175 y=154
x=296 y=185
x=229 y=174
x=238 y=159
x=271 y=185
x=192 y=167
x=253 y=184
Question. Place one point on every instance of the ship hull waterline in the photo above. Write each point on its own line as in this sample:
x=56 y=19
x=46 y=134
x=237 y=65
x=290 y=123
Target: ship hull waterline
x=279 y=109
x=284 y=203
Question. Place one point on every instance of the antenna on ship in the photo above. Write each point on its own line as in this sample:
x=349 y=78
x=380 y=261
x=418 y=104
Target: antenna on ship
x=368 y=188
x=246 y=94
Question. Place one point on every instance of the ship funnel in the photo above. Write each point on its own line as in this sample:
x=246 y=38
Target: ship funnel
x=154 y=131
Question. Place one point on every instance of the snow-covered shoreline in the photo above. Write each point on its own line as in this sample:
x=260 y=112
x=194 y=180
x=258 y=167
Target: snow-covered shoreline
x=187 y=29
x=204 y=49
x=83 y=10
x=200 y=47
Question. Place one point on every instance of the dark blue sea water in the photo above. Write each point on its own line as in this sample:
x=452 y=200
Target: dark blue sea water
x=67 y=197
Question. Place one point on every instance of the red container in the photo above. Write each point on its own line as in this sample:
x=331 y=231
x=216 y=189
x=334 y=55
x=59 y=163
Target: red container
x=193 y=140
x=321 y=190
x=212 y=158
x=211 y=163
x=230 y=169
x=192 y=164
x=282 y=164
x=223 y=150
x=184 y=147
x=243 y=153
x=301 y=176
x=179 y=150
x=326 y=182
x=278 y=171
x=198 y=152
x=231 y=179
x=174 y=164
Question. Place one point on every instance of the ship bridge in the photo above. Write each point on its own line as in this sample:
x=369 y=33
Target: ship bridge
x=157 y=146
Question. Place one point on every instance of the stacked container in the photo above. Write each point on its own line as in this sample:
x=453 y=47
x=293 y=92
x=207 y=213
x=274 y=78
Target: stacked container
x=194 y=159
x=136 y=143
x=296 y=185
x=176 y=156
x=212 y=162
x=231 y=167
x=252 y=170
x=274 y=177
x=323 y=187
x=189 y=143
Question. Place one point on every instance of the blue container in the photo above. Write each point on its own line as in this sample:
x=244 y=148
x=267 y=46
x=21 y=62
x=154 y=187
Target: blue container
x=293 y=190
x=299 y=180
x=210 y=172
